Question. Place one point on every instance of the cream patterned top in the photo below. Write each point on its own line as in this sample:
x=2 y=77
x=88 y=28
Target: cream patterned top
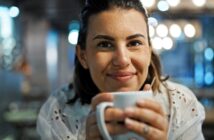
x=58 y=120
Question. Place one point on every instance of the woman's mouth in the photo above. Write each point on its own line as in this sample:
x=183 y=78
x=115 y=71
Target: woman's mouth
x=121 y=76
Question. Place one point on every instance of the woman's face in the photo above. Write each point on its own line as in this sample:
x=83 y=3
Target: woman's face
x=117 y=51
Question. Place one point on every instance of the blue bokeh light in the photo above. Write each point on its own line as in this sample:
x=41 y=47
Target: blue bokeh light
x=209 y=54
x=209 y=78
x=199 y=74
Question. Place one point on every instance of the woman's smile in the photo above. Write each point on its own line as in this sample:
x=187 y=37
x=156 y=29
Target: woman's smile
x=121 y=76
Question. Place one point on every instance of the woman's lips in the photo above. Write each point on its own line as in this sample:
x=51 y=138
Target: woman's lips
x=121 y=76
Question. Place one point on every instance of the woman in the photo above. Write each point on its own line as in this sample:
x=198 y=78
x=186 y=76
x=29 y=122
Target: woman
x=114 y=53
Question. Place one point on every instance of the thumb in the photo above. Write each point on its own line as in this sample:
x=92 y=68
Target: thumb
x=147 y=87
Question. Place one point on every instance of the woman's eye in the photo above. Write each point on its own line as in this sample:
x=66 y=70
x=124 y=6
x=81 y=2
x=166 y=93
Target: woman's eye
x=104 y=45
x=134 y=43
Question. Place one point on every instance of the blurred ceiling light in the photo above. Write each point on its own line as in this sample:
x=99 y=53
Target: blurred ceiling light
x=162 y=30
x=167 y=43
x=157 y=43
x=175 y=30
x=148 y=3
x=73 y=36
x=14 y=11
x=163 y=5
x=199 y=3
x=5 y=22
x=174 y=3
x=151 y=31
x=209 y=54
x=189 y=30
x=74 y=32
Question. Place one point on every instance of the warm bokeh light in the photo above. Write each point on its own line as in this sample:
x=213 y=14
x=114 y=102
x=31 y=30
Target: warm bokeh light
x=148 y=3
x=173 y=3
x=162 y=30
x=167 y=43
x=163 y=5
x=175 y=30
x=199 y=3
x=157 y=43
x=189 y=30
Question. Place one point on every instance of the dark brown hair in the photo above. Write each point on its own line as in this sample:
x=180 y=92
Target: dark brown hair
x=83 y=85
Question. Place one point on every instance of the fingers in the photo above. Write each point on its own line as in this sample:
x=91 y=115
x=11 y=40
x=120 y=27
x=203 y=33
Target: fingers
x=116 y=128
x=151 y=104
x=146 y=115
x=91 y=119
x=113 y=118
x=147 y=119
x=92 y=131
x=145 y=130
x=114 y=114
x=103 y=97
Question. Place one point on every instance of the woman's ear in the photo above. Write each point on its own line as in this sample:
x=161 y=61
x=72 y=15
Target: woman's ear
x=81 y=56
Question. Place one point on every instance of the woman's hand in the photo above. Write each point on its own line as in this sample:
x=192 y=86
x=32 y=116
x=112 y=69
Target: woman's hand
x=112 y=116
x=147 y=119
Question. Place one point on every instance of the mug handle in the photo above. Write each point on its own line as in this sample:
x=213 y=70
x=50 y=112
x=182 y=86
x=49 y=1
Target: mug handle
x=101 y=121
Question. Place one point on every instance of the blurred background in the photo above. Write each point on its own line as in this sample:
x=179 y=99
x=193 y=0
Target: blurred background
x=37 y=44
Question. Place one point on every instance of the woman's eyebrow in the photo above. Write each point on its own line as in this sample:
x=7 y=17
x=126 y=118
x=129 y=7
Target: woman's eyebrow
x=135 y=36
x=103 y=37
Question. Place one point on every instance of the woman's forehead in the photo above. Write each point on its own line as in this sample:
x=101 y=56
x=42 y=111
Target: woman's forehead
x=118 y=20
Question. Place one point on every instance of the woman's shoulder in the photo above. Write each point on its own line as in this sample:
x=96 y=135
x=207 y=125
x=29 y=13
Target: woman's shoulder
x=184 y=103
x=186 y=112
x=57 y=99
x=63 y=94
x=180 y=92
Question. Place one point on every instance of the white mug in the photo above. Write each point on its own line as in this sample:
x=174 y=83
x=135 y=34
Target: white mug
x=121 y=100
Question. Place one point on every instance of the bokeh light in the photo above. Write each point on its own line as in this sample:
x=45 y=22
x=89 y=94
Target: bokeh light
x=73 y=36
x=174 y=3
x=167 y=43
x=163 y=5
x=162 y=30
x=175 y=30
x=14 y=11
x=148 y=3
x=157 y=43
x=189 y=30
x=199 y=3
x=209 y=54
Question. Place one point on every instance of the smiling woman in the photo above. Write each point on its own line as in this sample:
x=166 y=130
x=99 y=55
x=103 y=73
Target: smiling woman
x=117 y=59
x=114 y=53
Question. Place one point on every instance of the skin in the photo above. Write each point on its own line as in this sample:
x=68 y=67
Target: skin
x=118 y=55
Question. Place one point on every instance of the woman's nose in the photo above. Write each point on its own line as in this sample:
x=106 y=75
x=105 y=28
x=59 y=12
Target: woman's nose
x=121 y=57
